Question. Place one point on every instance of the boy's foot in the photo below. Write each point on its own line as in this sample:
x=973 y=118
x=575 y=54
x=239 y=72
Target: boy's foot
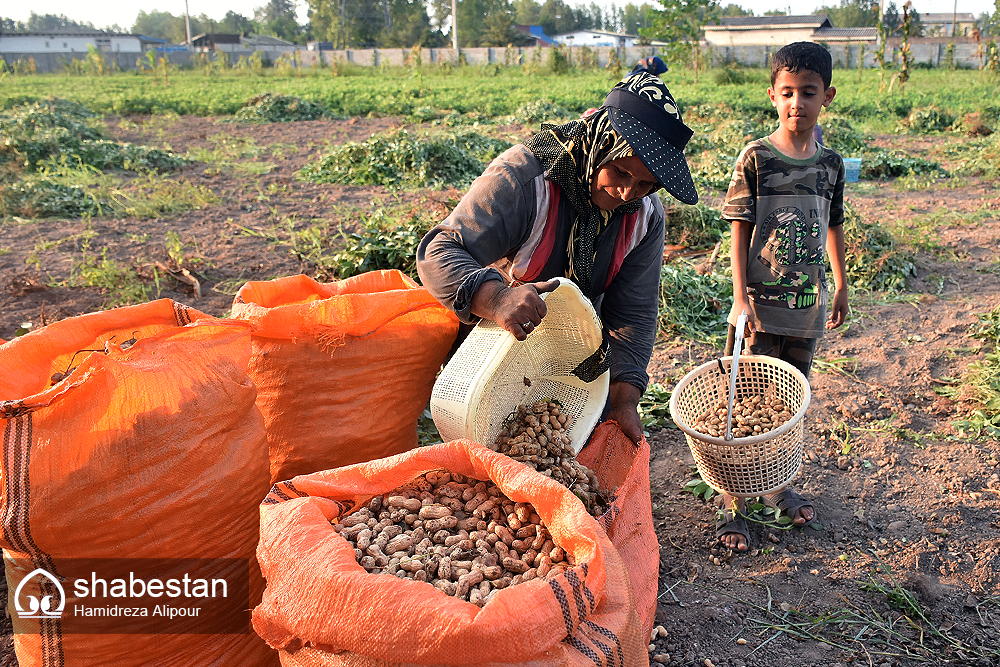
x=791 y=504
x=731 y=529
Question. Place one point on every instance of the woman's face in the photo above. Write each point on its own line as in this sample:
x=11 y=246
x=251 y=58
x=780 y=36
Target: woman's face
x=620 y=181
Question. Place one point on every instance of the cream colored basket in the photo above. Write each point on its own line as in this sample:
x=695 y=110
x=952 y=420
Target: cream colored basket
x=755 y=465
x=492 y=373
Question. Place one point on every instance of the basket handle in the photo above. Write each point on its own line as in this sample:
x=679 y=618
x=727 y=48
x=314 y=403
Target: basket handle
x=734 y=370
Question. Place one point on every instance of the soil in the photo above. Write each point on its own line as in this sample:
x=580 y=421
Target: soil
x=909 y=510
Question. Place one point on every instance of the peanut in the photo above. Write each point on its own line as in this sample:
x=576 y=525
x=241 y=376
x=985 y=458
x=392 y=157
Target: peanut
x=463 y=536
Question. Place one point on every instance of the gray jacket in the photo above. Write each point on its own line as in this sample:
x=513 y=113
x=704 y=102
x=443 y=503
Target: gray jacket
x=513 y=225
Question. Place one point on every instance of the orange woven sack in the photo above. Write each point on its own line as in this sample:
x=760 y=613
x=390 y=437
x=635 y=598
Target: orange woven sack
x=320 y=608
x=343 y=369
x=620 y=464
x=153 y=449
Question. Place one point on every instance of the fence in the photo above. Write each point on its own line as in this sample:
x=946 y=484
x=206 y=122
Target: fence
x=934 y=51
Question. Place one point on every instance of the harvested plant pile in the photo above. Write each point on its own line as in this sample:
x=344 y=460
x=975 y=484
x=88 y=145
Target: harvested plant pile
x=537 y=436
x=461 y=535
x=752 y=415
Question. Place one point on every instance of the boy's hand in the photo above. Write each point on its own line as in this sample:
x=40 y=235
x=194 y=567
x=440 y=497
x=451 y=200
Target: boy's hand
x=739 y=305
x=838 y=309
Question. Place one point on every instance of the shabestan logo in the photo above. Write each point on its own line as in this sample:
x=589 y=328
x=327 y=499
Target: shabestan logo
x=46 y=607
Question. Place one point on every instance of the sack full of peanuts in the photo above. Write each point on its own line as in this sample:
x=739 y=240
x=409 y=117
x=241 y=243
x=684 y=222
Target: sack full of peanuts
x=445 y=555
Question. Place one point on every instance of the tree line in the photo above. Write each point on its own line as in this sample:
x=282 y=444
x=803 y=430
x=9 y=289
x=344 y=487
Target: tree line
x=428 y=23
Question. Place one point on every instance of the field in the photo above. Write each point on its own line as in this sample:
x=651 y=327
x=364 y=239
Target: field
x=903 y=460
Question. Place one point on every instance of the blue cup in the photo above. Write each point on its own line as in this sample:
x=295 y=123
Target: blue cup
x=852 y=167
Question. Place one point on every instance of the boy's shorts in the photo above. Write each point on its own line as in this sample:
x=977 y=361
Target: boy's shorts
x=796 y=351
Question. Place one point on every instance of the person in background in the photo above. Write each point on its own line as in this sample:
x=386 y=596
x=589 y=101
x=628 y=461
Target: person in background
x=786 y=207
x=576 y=201
x=651 y=64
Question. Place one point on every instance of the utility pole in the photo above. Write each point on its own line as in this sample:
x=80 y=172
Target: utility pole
x=454 y=24
x=954 y=20
x=187 y=24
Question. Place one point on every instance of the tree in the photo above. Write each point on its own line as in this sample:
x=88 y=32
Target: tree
x=234 y=23
x=162 y=25
x=635 y=19
x=890 y=18
x=499 y=30
x=852 y=13
x=732 y=10
x=988 y=24
x=42 y=22
x=680 y=22
x=277 y=18
x=409 y=25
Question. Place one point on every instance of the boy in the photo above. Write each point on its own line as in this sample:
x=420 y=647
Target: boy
x=786 y=204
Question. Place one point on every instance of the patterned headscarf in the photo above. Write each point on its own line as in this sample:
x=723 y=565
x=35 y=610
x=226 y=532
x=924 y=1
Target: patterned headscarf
x=570 y=155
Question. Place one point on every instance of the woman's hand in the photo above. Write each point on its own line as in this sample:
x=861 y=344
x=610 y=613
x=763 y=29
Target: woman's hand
x=623 y=402
x=516 y=309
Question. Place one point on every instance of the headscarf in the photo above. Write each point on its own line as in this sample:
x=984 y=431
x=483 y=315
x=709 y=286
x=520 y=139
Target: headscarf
x=570 y=155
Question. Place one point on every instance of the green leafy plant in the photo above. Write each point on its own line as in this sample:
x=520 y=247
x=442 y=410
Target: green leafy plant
x=695 y=226
x=654 y=406
x=890 y=164
x=700 y=488
x=692 y=305
x=875 y=260
x=399 y=159
x=979 y=386
x=274 y=108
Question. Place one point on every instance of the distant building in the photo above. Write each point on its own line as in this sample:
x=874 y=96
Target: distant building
x=940 y=25
x=781 y=30
x=266 y=43
x=160 y=45
x=207 y=42
x=596 y=38
x=69 y=41
x=535 y=35
x=231 y=42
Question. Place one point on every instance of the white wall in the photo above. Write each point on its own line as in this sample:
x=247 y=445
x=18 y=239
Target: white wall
x=758 y=36
x=56 y=43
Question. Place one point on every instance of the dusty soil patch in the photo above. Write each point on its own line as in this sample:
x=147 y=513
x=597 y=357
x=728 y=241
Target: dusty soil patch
x=908 y=494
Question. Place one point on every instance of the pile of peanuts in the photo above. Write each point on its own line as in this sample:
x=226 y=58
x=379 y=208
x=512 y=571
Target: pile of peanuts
x=461 y=535
x=752 y=415
x=537 y=436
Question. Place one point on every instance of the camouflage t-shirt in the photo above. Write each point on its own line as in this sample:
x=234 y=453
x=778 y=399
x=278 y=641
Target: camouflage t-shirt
x=791 y=204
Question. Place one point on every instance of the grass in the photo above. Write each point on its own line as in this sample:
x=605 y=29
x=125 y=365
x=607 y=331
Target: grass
x=978 y=390
x=845 y=366
x=121 y=283
x=890 y=625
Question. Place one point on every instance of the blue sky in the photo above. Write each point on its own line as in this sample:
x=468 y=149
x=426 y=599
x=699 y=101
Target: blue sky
x=123 y=13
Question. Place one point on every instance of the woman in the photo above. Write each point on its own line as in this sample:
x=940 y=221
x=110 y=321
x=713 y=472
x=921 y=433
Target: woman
x=575 y=200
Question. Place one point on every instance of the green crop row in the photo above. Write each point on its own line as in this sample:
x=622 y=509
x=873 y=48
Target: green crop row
x=415 y=93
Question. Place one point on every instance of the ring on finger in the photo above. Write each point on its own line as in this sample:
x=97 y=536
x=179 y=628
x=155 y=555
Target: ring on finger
x=527 y=325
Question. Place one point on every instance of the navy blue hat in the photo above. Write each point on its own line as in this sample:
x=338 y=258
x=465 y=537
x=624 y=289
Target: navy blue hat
x=642 y=110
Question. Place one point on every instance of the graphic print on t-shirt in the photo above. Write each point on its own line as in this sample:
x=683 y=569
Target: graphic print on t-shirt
x=786 y=229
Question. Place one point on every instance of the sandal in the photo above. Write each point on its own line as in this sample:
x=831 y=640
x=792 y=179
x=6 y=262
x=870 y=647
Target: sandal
x=788 y=502
x=731 y=522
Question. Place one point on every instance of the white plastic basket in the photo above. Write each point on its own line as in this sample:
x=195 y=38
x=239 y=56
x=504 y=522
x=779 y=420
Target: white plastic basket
x=492 y=373
x=755 y=465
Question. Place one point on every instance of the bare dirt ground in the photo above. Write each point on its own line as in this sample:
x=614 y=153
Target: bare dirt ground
x=910 y=511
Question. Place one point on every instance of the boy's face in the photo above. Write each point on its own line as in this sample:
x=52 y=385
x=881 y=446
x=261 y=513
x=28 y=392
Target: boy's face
x=799 y=97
